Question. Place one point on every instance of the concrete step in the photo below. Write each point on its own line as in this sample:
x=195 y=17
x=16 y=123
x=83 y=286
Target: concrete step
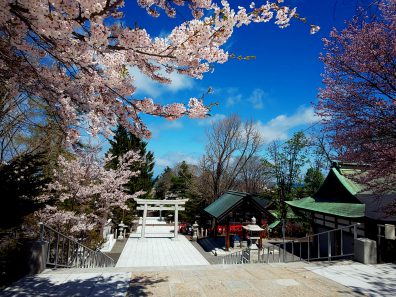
x=159 y=268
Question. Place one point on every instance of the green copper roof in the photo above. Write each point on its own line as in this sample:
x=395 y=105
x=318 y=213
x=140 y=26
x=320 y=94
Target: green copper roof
x=349 y=210
x=350 y=185
x=262 y=202
x=337 y=188
x=290 y=214
x=224 y=203
x=231 y=199
x=274 y=224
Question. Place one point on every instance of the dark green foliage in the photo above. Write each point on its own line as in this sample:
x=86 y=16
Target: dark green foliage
x=184 y=186
x=313 y=180
x=288 y=160
x=181 y=182
x=21 y=181
x=14 y=258
x=164 y=183
x=123 y=142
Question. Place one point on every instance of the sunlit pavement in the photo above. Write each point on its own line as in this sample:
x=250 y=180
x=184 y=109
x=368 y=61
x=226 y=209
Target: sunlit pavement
x=291 y=279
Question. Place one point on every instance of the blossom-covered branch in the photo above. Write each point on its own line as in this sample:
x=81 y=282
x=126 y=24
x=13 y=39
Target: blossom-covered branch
x=75 y=55
x=83 y=192
x=358 y=102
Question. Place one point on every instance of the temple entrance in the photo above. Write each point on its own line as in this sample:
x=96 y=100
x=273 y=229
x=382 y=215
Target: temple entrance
x=160 y=205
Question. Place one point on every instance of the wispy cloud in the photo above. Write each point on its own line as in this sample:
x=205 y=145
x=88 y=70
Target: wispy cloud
x=172 y=158
x=279 y=127
x=232 y=96
x=172 y=125
x=256 y=98
x=210 y=120
x=147 y=86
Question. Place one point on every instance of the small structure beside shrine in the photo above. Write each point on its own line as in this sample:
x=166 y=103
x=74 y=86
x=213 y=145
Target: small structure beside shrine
x=254 y=232
x=237 y=208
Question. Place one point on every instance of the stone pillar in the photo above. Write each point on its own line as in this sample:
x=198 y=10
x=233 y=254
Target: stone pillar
x=144 y=221
x=176 y=220
x=365 y=251
x=38 y=257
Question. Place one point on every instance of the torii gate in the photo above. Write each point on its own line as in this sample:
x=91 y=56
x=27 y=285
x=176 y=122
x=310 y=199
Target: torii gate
x=150 y=204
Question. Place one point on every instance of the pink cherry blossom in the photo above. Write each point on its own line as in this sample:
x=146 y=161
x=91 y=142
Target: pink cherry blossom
x=82 y=181
x=66 y=53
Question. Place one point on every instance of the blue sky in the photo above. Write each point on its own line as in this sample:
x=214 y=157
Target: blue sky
x=275 y=90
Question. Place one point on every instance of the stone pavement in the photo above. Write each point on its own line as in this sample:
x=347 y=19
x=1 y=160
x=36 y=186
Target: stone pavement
x=291 y=279
x=368 y=280
x=160 y=252
x=68 y=283
x=236 y=280
x=160 y=249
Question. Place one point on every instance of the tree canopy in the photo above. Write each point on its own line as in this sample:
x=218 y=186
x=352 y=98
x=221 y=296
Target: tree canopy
x=358 y=101
x=75 y=56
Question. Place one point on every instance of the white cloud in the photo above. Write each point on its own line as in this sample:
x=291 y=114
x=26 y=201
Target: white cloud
x=256 y=98
x=232 y=96
x=146 y=86
x=278 y=128
x=172 y=125
x=210 y=120
x=233 y=99
x=172 y=158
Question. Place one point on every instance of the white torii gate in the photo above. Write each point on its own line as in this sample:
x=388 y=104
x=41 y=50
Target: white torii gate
x=150 y=204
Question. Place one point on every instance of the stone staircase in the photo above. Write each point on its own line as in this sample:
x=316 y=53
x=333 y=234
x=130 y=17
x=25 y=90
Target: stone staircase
x=117 y=249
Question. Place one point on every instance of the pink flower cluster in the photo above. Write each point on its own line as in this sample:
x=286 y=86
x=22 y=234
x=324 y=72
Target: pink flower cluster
x=66 y=53
x=82 y=182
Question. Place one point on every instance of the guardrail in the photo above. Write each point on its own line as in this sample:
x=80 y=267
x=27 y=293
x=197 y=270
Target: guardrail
x=240 y=257
x=327 y=245
x=66 y=252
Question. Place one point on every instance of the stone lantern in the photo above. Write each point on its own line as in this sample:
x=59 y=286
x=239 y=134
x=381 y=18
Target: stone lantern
x=254 y=233
x=195 y=231
x=121 y=227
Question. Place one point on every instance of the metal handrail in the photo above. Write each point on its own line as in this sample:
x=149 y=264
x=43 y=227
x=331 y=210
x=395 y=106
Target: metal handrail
x=291 y=251
x=64 y=251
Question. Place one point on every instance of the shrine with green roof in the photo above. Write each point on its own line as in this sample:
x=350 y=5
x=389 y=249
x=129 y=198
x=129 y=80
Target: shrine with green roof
x=340 y=202
x=238 y=207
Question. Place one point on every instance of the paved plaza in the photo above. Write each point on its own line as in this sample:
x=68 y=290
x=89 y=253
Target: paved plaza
x=369 y=280
x=159 y=250
x=291 y=279
x=164 y=267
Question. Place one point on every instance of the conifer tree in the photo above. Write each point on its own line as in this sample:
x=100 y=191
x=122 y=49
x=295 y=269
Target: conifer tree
x=124 y=141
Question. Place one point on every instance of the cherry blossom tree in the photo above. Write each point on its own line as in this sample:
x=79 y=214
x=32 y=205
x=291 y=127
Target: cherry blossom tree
x=75 y=56
x=83 y=192
x=358 y=101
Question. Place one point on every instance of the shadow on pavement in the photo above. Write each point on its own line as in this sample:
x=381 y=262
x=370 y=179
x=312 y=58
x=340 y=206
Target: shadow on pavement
x=84 y=284
x=143 y=286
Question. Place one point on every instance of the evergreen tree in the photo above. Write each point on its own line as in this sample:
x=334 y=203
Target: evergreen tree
x=164 y=183
x=124 y=141
x=184 y=185
x=180 y=182
x=313 y=180
x=21 y=180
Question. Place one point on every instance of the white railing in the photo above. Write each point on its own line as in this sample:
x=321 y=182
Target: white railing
x=66 y=252
x=328 y=245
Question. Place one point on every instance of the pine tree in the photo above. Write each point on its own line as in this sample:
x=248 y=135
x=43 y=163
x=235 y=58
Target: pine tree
x=184 y=186
x=21 y=180
x=313 y=180
x=122 y=142
x=164 y=183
